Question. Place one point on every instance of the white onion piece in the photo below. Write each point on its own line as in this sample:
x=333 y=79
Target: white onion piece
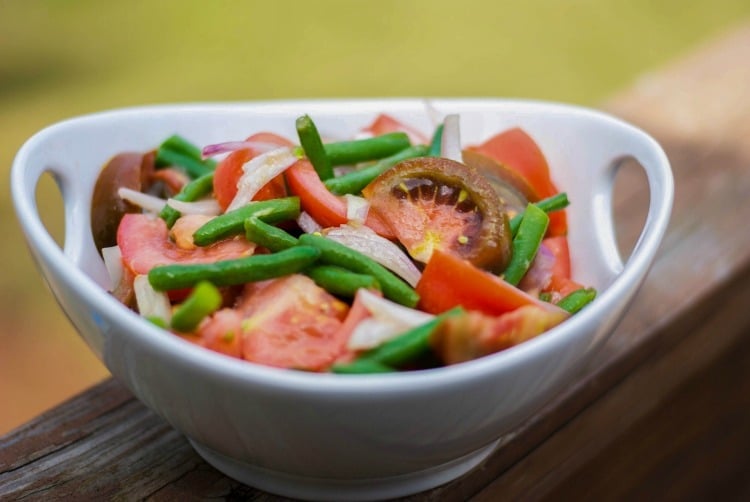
x=113 y=263
x=388 y=320
x=356 y=209
x=143 y=200
x=151 y=303
x=307 y=223
x=232 y=146
x=433 y=114
x=450 y=147
x=380 y=249
x=539 y=274
x=259 y=171
x=206 y=207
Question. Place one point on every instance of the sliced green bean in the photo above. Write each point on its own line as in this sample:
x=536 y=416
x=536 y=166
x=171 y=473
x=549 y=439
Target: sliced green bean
x=401 y=350
x=202 y=301
x=340 y=281
x=578 y=299
x=194 y=168
x=313 y=147
x=526 y=243
x=553 y=203
x=178 y=144
x=267 y=235
x=436 y=142
x=237 y=271
x=189 y=193
x=334 y=253
x=362 y=367
x=344 y=153
x=233 y=222
x=355 y=181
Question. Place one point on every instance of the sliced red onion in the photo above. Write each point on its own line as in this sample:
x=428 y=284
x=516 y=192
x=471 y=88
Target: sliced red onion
x=259 y=171
x=206 y=207
x=356 y=209
x=539 y=274
x=148 y=202
x=307 y=223
x=388 y=320
x=450 y=147
x=151 y=303
x=113 y=263
x=380 y=249
x=233 y=146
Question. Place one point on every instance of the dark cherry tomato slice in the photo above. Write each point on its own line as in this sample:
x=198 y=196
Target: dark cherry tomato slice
x=512 y=188
x=436 y=203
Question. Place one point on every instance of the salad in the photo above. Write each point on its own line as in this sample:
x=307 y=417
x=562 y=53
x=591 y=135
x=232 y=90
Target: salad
x=393 y=250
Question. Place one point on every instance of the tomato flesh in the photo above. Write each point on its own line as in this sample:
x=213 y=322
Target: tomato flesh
x=435 y=203
x=384 y=124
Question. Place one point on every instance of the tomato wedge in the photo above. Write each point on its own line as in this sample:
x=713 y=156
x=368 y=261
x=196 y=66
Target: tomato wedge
x=436 y=203
x=560 y=283
x=326 y=208
x=292 y=323
x=229 y=171
x=517 y=150
x=449 y=281
x=384 y=124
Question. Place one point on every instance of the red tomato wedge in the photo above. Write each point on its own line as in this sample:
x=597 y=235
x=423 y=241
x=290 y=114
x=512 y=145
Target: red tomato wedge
x=448 y=281
x=292 y=323
x=384 y=124
x=144 y=243
x=560 y=282
x=229 y=171
x=517 y=150
x=328 y=209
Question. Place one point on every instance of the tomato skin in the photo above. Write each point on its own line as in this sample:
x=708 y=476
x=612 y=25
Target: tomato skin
x=229 y=171
x=144 y=243
x=448 y=281
x=384 y=124
x=292 y=323
x=328 y=209
x=516 y=149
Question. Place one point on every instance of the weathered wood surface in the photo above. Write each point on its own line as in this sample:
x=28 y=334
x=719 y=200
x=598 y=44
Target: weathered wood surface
x=660 y=412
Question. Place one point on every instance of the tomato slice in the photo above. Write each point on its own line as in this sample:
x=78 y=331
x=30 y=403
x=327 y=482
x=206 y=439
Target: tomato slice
x=436 y=203
x=229 y=171
x=474 y=334
x=560 y=283
x=517 y=150
x=449 y=281
x=292 y=323
x=384 y=124
x=144 y=243
x=326 y=208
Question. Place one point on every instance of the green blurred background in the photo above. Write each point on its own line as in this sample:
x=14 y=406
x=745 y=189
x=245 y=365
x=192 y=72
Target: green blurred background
x=63 y=58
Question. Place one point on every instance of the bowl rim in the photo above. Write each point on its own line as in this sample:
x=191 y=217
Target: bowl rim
x=217 y=364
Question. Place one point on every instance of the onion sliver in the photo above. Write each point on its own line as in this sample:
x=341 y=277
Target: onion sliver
x=356 y=209
x=450 y=147
x=113 y=263
x=307 y=223
x=143 y=200
x=380 y=249
x=232 y=146
x=258 y=172
x=151 y=303
x=206 y=207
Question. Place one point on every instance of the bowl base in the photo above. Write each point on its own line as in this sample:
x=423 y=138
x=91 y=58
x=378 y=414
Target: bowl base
x=308 y=488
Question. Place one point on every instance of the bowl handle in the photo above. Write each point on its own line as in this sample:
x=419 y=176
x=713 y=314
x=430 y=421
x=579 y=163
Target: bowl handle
x=78 y=246
x=634 y=144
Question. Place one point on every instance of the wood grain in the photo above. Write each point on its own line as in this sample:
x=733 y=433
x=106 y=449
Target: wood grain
x=658 y=413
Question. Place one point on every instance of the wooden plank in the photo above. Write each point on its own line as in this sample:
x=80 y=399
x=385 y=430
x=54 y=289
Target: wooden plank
x=104 y=444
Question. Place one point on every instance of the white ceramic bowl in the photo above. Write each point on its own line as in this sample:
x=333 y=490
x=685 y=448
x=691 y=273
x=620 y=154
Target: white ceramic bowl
x=342 y=436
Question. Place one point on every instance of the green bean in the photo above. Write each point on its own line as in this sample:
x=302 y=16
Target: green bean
x=237 y=271
x=334 y=253
x=340 y=281
x=553 y=203
x=202 y=301
x=400 y=350
x=361 y=367
x=355 y=181
x=233 y=222
x=177 y=143
x=193 y=167
x=189 y=193
x=313 y=147
x=436 y=142
x=267 y=235
x=578 y=299
x=526 y=243
x=157 y=321
x=344 y=153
